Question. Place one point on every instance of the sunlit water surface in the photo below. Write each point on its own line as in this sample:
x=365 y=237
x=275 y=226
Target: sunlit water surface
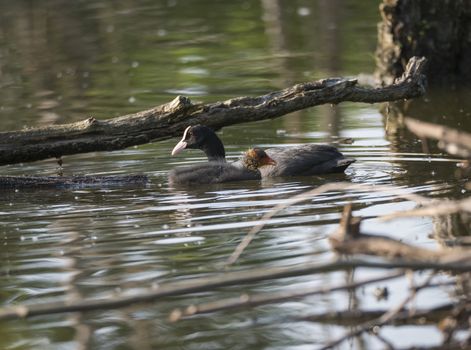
x=64 y=244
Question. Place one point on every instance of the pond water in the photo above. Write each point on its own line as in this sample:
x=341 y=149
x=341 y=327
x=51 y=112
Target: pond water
x=63 y=61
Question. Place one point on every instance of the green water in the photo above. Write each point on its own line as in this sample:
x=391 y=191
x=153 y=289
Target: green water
x=62 y=61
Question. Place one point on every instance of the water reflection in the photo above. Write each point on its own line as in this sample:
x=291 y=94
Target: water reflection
x=62 y=62
x=92 y=243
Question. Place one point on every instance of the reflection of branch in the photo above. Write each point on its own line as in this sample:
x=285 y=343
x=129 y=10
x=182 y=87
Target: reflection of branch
x=246 y=300
x=337 y=186
x=225 y=279
x=171 y=119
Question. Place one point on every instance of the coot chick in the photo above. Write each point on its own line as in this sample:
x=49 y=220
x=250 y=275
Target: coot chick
x=308 y=159
x=248 y=168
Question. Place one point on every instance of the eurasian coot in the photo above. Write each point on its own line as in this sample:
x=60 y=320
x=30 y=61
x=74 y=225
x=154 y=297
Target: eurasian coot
x=248 y=168
x=300 y=160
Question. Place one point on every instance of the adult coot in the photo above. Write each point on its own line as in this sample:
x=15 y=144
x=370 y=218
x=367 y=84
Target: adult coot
x=300 y=160
x=248 y=168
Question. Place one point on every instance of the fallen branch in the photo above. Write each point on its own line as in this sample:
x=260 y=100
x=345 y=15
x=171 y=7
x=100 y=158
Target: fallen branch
x=225 y=279
x=169 y=120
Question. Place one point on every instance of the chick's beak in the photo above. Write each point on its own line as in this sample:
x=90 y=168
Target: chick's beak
x=179 y=147
x=268 y=161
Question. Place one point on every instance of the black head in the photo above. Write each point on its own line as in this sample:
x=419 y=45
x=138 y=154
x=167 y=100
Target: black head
x=203 y=138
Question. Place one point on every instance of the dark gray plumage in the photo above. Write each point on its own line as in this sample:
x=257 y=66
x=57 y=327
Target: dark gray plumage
x=300 y=160
x=247 y=168
x=210 y=173
x=304 y=160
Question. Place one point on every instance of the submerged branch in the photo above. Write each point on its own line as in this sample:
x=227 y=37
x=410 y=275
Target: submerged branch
x=169 y=120
x=72 y=182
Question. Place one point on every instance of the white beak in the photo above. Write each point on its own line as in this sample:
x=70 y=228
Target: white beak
x=179 y=147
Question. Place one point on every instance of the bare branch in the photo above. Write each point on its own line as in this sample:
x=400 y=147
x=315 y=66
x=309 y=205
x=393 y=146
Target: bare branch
x=224 y=279
x=351 y=317
x=439 y=208
x=453 y=141
x=337 y=186
x=349 y=240
x=246 y=300
x=170 y=119
x=384 y=319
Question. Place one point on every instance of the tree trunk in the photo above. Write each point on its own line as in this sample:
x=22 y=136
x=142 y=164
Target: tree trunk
x=439 y=30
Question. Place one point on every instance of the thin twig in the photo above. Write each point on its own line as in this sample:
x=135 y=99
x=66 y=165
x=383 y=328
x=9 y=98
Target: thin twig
x=224 y=279
x=354 y=317
x=385 y=318
x=446 y=207
x=268 y=298
x=387 y=343
x=336 y=186
x=453 y=141
x=349 y=240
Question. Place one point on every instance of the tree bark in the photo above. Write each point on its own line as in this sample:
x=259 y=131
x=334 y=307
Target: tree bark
x=169 y=120
x=436 y=29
